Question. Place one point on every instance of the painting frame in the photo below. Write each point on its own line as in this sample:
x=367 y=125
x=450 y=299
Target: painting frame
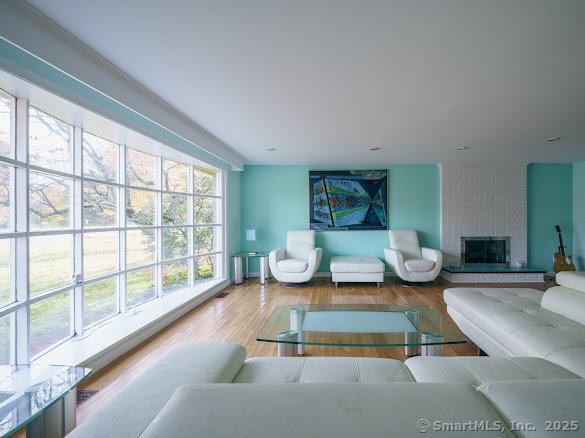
x=346 y=200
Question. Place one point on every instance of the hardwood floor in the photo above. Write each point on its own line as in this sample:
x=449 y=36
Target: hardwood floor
x=241 y=314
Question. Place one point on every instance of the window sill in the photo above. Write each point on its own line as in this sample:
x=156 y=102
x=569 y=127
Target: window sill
x=111 y=339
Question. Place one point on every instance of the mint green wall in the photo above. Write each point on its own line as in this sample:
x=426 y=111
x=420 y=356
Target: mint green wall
x=550 y=203
x=275 y=200
x=579 y=215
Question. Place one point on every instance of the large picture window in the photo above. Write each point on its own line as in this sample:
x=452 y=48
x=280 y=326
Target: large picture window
x=91 y=227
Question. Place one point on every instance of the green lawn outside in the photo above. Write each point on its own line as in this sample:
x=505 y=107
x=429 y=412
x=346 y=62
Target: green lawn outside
x=4 y=272
x=50 y=268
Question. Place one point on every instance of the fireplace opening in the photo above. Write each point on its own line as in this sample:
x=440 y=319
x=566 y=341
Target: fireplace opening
x=485 y=250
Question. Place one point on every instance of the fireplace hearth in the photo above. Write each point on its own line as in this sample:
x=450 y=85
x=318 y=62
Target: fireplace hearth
x=490 y=249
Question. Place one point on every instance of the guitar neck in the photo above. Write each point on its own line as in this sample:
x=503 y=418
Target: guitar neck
x=561 y=246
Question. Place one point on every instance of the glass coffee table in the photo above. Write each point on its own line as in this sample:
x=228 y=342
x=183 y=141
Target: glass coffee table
x=420 y=330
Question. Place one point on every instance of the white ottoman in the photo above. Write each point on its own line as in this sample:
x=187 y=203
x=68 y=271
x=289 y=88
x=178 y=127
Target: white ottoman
x=357 y=268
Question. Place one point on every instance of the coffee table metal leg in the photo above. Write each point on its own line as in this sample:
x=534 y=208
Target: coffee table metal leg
x=285 y=349
x=411 y=338
x=434 y=349
x=57 y=420
x=297 y=316
x=247 y=272
x=238 y=270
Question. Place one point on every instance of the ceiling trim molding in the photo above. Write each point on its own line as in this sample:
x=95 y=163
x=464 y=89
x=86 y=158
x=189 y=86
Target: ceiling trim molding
x=27 y=29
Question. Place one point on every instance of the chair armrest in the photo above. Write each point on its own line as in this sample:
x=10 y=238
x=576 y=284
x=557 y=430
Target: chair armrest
x=395 y=260
x=277 y=255
x=432 y=254
x=274 y=257
x=393 y=257
x=315 y=260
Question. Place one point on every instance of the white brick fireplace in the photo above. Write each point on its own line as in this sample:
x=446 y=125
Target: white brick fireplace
x=484 y=201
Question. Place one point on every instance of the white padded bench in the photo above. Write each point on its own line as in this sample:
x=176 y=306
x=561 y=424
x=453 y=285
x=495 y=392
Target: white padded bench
x=357 y=268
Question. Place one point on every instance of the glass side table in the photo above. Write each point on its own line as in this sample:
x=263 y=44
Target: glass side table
x=243 y=257
x=41 y=398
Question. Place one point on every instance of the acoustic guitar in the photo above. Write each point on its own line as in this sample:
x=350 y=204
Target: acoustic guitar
x=562 y=262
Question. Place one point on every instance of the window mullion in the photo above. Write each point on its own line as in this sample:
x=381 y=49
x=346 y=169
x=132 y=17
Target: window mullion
x=222 y=271
x=77 y=209
x=159 y=234
x=122 y=300
x=21 y=273
x=191 y=230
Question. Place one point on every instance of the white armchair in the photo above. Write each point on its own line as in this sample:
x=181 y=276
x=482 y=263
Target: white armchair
x=408 y=260
x=299 y=261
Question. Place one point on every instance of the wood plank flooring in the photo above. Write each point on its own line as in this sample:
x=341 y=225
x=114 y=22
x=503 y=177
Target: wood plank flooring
x=241 y=314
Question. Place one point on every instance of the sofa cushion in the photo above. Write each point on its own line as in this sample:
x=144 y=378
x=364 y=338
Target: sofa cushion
x=520 y=325
x=129 y=410
x=540 y=404
x=292 y=265
x=478 y=370
x=571 y=359
x=565 y=301
x=355 y=264
x=325 y=410
x=483 y=306
x=419 y=265
x=322 y=370
x=573 y=280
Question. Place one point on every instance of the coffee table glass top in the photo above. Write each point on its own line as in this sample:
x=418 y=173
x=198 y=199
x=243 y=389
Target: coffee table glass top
x=375 y=325
x=27 y=390
x=251 y=254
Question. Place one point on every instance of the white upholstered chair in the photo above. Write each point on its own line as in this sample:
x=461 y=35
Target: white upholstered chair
x=408 y=260
x=299 y=261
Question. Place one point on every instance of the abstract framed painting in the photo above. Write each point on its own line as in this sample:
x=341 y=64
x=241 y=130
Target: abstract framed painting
x=348 y=200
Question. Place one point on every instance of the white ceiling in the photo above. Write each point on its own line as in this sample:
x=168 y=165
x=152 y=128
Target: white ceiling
x=323 y=80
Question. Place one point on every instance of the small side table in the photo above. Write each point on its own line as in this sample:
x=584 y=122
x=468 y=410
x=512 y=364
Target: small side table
x=243 y=257
x=41 y=398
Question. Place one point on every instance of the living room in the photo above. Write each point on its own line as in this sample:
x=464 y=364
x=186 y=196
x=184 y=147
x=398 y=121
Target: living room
x=323 y=218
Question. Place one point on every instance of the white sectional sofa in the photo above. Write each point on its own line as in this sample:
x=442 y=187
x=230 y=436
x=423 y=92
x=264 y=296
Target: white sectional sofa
x=526 y=322
x=211 y=390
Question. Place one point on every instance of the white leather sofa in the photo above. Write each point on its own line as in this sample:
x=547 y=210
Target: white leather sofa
x=410 y=261
x=298 y=262
x=526 y=322
x=129 y=411
x=210 y=390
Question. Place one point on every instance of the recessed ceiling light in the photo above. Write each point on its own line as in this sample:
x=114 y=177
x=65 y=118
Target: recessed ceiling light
x=269 y=149
x=375 y=148
x=463 y=148
x=554 y=139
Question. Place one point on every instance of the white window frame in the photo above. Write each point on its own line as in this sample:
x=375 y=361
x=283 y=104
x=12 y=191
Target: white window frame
x=20 y=234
